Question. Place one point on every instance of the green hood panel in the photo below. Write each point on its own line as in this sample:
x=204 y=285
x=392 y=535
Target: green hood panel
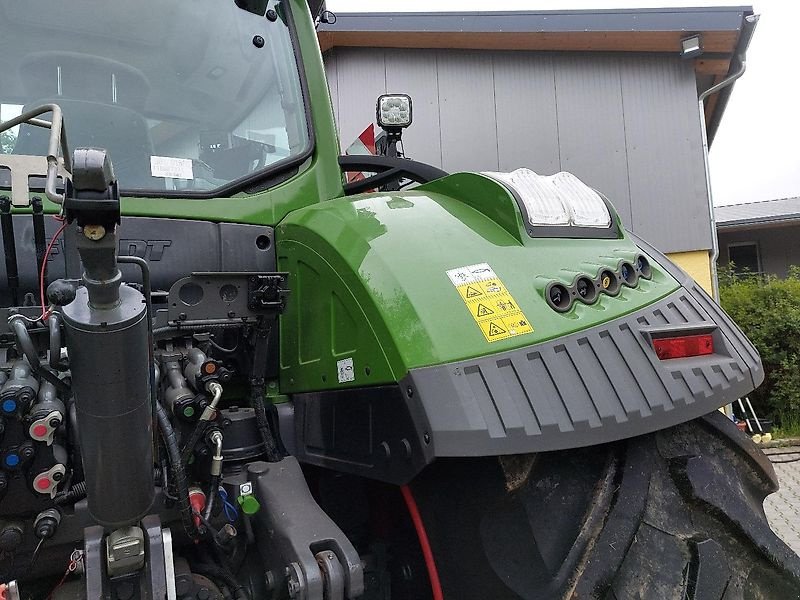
x=369 y=281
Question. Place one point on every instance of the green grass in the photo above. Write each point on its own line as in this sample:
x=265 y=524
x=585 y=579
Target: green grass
x=789 y=428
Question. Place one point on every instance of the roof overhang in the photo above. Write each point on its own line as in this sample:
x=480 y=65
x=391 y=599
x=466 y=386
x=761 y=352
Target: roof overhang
x=759 y=223
x=764 y=214
x=725 y=34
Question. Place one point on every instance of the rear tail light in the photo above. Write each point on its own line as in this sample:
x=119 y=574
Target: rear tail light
x=684 y=346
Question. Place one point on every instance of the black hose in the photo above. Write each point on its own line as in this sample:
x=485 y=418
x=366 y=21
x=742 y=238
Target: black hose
x=212 y=493
x=54 y=327
x=197 y=433
x=165 y=481
x=220 y=573
x=25 y=344
x=179 y=473
x=267 y=437
x=216 y=574
x=75 y=493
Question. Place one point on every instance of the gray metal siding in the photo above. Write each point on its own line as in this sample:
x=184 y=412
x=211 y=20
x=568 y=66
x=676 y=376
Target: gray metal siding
x=527 y=125
x=664 y=149
x=415 y=73
x=361 y=79
x=627 y=124
x=591 y=129
x=467 y=111
x=778 y=247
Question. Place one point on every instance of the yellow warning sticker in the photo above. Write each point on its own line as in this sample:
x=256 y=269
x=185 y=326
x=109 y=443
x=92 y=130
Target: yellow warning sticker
x=468 y=292
x=505 y=327
x=489 y=302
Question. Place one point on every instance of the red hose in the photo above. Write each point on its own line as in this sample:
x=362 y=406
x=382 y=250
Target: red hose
x=430 y=564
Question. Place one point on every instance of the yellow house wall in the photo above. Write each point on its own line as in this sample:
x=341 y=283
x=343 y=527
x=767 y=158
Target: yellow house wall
x=697 y=264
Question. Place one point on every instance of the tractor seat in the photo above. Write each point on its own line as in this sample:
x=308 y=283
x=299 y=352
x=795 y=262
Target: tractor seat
x=121 y=131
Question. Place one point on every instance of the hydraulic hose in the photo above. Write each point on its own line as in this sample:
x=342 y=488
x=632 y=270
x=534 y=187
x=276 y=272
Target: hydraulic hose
x=179 y=473
x=54 y=327
x=257 y=403
x=75 y=493
x=216 y=472
x=25 y=343
x=205 y=417
x=258 y=372
x=216 y=569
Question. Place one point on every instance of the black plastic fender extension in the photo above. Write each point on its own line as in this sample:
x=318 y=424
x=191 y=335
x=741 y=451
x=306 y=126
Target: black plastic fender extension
x=593 y=387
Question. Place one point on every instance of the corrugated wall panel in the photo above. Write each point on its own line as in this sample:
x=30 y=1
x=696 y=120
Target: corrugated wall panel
x=626 y=124
x=362 y=78
x=467 y=111
x=591 y=129
x=414 y=72
x=665 y=158
x=527 y=130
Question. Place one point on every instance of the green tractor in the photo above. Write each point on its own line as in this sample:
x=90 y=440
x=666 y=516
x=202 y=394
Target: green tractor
x=227 y=371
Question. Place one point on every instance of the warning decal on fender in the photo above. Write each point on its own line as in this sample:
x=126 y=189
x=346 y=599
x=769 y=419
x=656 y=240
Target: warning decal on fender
x=497 y=314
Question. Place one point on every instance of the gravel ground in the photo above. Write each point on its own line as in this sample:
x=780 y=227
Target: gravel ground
x=783 y=507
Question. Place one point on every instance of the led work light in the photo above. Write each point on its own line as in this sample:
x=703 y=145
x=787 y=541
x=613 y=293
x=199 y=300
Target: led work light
x=556 y=200
x=393 y=111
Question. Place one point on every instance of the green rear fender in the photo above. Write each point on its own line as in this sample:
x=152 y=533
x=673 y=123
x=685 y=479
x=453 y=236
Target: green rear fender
x=371 y=296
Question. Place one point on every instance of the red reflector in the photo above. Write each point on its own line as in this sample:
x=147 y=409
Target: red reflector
x=684 y=346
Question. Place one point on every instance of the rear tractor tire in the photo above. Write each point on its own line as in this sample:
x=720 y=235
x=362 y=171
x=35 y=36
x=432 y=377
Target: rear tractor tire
x=674 y=514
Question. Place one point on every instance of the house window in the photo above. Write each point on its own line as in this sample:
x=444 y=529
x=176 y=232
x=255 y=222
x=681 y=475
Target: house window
x=745 y=257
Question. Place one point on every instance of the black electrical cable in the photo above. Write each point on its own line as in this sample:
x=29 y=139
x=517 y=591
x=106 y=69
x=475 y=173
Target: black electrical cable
x=257 y=404
x=257 y=372
x=222 y=348
x=179 y=473
x=210 y=496
x=165 y=481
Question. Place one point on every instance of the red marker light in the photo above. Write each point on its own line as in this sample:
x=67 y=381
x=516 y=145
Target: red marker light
x=39 y=431
x=684 y=346
x=43 y=484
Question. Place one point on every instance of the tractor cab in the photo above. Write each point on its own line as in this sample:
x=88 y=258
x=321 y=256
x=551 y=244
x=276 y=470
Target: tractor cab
x=187 y=98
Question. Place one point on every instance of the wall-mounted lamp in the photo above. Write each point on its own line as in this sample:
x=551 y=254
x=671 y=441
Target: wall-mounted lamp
x=691 y=46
